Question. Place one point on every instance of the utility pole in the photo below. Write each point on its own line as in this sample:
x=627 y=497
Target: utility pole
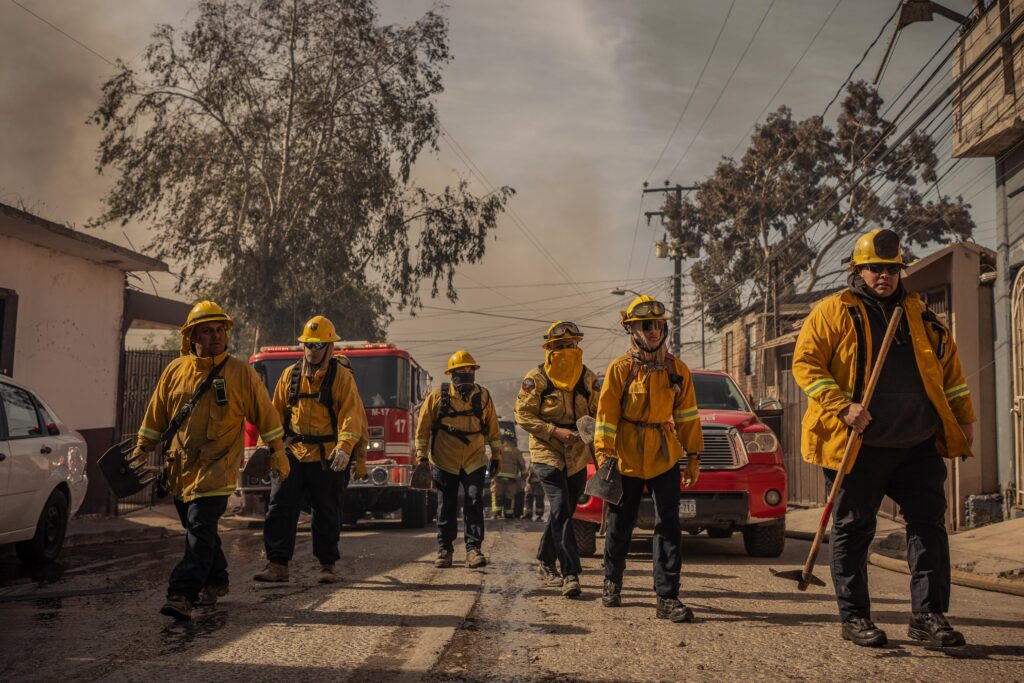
x=674 y=250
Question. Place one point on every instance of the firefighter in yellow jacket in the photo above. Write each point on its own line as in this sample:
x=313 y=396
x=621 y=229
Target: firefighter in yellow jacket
x=457 y=422
x=324 y=423
x=553 y=396
x=206 y=449
x=921 y=410
x=507 y=471
x=647 y=420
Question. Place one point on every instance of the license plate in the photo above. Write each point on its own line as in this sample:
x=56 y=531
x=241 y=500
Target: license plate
x=687 y=507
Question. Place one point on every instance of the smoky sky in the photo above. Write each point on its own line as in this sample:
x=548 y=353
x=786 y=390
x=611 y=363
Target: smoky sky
x=570 y=102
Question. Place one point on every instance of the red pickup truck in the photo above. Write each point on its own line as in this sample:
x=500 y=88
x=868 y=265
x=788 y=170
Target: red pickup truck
x=742 y=484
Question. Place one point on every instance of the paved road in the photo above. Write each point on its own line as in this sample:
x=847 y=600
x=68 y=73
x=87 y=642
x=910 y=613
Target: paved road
x=396 y=618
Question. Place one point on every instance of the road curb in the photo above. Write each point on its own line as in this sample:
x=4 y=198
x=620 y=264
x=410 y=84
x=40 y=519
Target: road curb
x=806 y=536
x=144 y=533
x=960 y=578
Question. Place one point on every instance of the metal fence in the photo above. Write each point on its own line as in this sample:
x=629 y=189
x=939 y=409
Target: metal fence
x=142 y=370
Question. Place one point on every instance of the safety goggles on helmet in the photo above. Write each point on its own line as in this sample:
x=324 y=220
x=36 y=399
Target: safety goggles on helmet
x=647 y=309
x=563 y=329
x=314 y=346
x=877 y=268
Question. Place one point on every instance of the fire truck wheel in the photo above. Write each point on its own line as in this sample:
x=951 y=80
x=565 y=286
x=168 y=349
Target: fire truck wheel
x=414 y=510
x=586 y=537
x=765 y=540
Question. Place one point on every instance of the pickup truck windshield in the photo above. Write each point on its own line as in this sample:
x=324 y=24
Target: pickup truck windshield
x=717 y=392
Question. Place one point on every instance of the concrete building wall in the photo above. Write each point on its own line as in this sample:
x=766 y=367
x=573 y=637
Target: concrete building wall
x=68 y=332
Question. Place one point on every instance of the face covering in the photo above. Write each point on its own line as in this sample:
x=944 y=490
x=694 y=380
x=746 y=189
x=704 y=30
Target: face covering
x=564 y=367
x=463 y=382
x=641 y=351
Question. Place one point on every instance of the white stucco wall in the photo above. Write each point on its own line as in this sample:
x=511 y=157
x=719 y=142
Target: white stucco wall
x=68 y=330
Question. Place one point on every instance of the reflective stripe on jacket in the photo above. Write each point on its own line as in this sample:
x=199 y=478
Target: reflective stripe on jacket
x=206 y=452
x=670 y=419
x=539 y=417
x=449 y=452
x=830 y=365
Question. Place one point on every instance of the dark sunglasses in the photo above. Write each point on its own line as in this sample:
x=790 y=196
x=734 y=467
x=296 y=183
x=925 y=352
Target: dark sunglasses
x=877 y=268
x=314 y=346
x=649 y=325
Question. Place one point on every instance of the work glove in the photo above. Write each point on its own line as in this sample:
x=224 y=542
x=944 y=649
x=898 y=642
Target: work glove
x=692 y=472
x=359 y=469
x=339 y=459
x=421 y=457
x=138 y=457
x=280 y=468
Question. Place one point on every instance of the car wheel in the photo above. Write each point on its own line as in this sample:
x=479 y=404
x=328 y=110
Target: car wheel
x=765 y=540
x=586 y=537
x=415 y=511
x=51 y=528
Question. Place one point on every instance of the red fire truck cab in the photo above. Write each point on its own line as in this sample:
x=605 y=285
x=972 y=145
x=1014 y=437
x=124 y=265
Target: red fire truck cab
x=742 y=484
x=392 y=385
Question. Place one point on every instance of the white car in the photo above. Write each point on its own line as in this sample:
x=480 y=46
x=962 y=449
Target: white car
x=42 y=474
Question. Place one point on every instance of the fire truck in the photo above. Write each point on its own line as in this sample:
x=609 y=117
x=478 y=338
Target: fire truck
x=742 y=483
x=392 y=385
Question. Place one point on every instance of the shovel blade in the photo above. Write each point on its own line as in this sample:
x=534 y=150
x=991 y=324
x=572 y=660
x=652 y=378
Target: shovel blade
x=119 y=471
x=803 y=579
x=421 y=479
x=606 y=483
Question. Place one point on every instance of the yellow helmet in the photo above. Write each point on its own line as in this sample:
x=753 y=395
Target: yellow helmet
x=319 y=329
x=644 y=307
x=460 y=359
x=561 y=329
x=202 y=312
x=206 y=312
x=877 y=246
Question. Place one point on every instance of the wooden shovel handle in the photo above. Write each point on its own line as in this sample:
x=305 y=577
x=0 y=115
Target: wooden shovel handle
x=854 y=438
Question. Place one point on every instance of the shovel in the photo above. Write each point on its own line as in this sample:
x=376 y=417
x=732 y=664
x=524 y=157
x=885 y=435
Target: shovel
x=125 y=475
x=421 y=479
x=805 y=577
x=606 y=483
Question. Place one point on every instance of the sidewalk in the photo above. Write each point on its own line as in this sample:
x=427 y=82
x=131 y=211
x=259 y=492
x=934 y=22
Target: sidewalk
x=989 y=557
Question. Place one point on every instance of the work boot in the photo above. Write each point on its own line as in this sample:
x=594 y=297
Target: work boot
x=327 y=574
x=475 y=559
x=571 y=586
x=673 y=610
x=177 y=606
x=863 y=632
x=444 y=559
x=612 y=596
x=273 y=573
x=933 y=629
x=549 y=576
x=208 y=596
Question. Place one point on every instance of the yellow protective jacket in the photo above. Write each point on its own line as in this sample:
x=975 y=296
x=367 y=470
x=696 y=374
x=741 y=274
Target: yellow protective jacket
x=660 y=423
x=825 y=365
x=206 y=452
x=540 y=414
x=448 y=451
x=511 y=464
x=311 y=418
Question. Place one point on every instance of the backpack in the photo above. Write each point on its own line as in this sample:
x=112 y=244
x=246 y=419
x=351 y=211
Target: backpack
x=445 y=410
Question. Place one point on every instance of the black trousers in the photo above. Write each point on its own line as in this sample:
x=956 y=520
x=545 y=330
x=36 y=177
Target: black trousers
x=448 y=502
x=914 y=478
x=667 y=532
x=534 y=505
x=323 y=489
x=563 y=493
x=204 y=563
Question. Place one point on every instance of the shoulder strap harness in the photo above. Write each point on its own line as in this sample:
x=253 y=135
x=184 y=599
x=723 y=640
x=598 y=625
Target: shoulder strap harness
x=579 y=390
x=326 y=399
x=445 y=410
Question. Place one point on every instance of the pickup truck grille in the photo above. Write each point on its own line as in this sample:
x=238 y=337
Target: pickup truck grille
x=723 y=449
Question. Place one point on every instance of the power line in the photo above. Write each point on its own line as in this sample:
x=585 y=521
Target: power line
x=64 y=33
x=696 y=86
x=862 y=58
x=724 y=88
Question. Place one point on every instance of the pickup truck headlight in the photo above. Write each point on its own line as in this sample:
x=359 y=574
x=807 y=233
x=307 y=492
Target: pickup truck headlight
x=760 y=442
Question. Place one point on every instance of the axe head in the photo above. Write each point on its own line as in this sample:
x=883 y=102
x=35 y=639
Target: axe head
x=803 y=579
x=257 y=465
x=124 y=476
x=606 y=483
x=421 y=479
